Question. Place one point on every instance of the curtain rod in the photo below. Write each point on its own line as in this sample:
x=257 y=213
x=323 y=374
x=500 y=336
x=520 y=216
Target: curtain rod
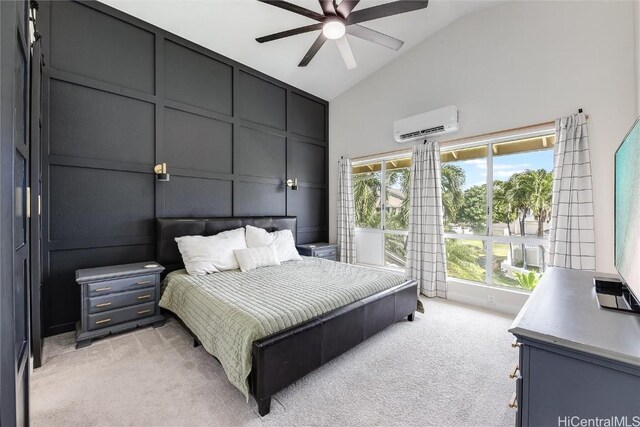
x=468 y=139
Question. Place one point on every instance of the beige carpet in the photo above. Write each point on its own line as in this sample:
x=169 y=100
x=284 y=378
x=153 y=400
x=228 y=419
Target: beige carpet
x=449 y=367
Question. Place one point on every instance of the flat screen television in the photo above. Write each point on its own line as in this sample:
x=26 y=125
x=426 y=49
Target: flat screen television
x=625 y=295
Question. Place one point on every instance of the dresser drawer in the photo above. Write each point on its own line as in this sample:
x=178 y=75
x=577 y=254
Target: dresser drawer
x=121 y=299
x=121 y=285
x=114 y=317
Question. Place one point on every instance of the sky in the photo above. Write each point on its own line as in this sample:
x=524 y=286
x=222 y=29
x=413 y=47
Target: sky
x=504 y=166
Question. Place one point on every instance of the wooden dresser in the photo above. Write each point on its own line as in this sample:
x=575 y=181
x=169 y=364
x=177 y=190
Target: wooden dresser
x=117 y=298
x=577 y=361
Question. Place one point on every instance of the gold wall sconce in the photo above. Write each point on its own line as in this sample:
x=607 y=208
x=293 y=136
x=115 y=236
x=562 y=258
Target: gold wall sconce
x=161 y=172
x=292 y=183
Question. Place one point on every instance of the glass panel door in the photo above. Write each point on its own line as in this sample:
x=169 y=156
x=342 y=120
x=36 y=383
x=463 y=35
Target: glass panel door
x=381 y=196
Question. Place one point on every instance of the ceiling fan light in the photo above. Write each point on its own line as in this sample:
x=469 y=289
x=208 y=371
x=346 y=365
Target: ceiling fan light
x=333 y=29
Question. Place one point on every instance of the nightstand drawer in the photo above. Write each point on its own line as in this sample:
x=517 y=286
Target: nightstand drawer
x=329 y=253
x=114 y=317
x=122 y=299
x=121 y=285
x=331 y=257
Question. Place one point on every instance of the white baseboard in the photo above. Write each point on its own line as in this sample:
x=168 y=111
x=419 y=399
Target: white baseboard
x=496 y=298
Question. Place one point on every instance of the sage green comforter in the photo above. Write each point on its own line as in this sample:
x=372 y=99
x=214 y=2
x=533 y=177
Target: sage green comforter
x=227 y=311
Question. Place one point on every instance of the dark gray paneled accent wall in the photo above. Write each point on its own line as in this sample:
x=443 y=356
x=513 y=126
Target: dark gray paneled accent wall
x=122 y=95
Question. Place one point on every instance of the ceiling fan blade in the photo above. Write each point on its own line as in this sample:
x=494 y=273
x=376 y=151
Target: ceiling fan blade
x=327 y=7
x=346 y=52
x=374 y=36
x=295 y=9
x=384 y=10
x=346 y=6
x=288 y=33
x=315 y=47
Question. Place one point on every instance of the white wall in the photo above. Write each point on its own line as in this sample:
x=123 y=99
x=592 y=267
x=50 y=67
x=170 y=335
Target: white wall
x=504 y=300
x=636 y=9
x=513 y=65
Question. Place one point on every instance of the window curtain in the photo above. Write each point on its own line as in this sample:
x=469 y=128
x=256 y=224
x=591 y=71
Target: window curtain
x=426 y=257
x=572 y=235
x=346 y=213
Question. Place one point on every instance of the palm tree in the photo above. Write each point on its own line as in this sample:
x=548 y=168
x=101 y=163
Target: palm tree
x=503 y=209
x=541 y=188
x=402 y=179
x=520 y=195
x=531 y=192
x=366 y=192
x=462 y=260
x=453 y=178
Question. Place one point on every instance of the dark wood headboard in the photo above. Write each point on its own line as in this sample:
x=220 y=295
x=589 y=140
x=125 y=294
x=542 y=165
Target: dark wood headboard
x=167 y=229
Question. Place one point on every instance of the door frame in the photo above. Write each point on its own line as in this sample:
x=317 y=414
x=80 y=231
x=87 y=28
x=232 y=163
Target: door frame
x=35 y=226
x=14 y=369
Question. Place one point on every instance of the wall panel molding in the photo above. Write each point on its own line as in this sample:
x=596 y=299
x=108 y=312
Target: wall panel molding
x=89 y=82
x=94 y=124
x=197 y=79
x=94 y=242
x=227 y=133
x=80 y=46
x=56 y=159
x=187 y=108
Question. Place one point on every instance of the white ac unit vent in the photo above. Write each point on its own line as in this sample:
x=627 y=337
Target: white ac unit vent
x=437 y=122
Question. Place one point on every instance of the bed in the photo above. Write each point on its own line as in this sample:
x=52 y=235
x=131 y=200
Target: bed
x=271 y=326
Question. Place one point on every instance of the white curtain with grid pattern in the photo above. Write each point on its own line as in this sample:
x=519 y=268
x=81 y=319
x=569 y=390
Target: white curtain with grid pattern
x=346 y=213
x=426 y=257
x=572 y=235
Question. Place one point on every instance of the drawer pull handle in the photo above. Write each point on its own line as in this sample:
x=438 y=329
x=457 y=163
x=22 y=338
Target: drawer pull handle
x=103 y=304
x=515 y=344
x=514 y=372
x=513 y=403
x=144 y=282
x=103 y=289
x=98 y=322
x=144 y=311
x=144 y=296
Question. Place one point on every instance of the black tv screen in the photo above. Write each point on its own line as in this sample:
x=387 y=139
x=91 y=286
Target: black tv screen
x=627 y=210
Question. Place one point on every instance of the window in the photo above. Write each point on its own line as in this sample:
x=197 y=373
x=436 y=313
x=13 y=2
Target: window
x=381 y=196
x=497 y=206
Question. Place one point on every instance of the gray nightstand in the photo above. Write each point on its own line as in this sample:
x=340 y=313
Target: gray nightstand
x=118 y=298
x=319 y=250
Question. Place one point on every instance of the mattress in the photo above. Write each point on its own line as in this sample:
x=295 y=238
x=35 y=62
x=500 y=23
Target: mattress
x=229 y=310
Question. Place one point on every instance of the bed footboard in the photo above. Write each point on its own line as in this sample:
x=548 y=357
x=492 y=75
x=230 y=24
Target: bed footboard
x=282 y=358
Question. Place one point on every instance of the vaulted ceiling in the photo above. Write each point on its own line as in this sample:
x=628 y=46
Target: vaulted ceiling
x=230 y=28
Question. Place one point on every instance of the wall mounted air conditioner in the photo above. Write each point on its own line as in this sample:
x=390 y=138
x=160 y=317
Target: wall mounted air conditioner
x=427 y=125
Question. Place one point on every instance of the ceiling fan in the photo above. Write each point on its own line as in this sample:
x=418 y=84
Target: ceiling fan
x=340 y=18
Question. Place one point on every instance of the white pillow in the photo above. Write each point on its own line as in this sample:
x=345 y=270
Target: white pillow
x=210 y=254
x=283 y=239
x=260 y=256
